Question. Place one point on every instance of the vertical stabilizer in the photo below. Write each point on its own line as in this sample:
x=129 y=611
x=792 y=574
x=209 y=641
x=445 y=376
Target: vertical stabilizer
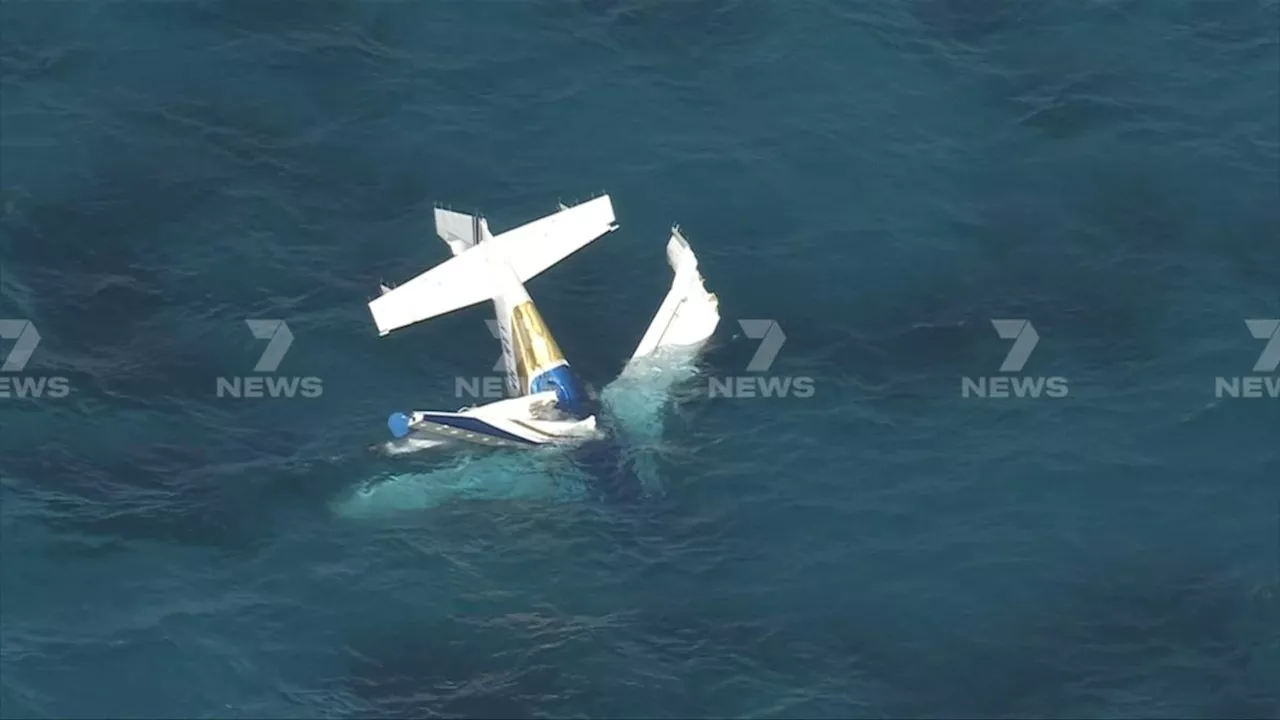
x=459 y=231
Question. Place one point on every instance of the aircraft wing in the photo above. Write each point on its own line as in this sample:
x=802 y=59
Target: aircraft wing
x=688 y=314
x=666 y=357
x=474 y=273
x=533 y=248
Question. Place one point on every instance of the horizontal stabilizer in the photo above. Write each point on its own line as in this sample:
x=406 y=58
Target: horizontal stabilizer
x=475 y=273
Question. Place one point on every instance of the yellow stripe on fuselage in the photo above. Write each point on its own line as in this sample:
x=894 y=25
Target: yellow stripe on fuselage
x=535 y=350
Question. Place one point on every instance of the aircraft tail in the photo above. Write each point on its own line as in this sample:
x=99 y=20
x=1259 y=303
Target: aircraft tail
x=469 y=277
x=460 y=232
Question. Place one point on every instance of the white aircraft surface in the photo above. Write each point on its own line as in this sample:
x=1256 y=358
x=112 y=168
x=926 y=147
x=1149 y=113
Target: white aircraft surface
x=547 y=403
x=549 y=407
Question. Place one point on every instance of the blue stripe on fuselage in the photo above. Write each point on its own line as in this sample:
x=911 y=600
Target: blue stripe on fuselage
x=474 y=425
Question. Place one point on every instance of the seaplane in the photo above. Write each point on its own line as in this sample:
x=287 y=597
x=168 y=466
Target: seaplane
x=547 y=403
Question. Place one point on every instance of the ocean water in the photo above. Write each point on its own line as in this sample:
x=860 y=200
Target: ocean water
x=881 y=179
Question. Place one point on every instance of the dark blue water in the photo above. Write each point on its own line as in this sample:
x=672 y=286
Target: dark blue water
x=880 y=178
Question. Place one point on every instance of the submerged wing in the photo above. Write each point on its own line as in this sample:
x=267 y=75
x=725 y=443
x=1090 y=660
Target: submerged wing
x=688 y=314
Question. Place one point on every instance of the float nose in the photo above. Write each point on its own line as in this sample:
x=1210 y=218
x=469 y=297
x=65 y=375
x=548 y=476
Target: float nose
x=398 y=424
